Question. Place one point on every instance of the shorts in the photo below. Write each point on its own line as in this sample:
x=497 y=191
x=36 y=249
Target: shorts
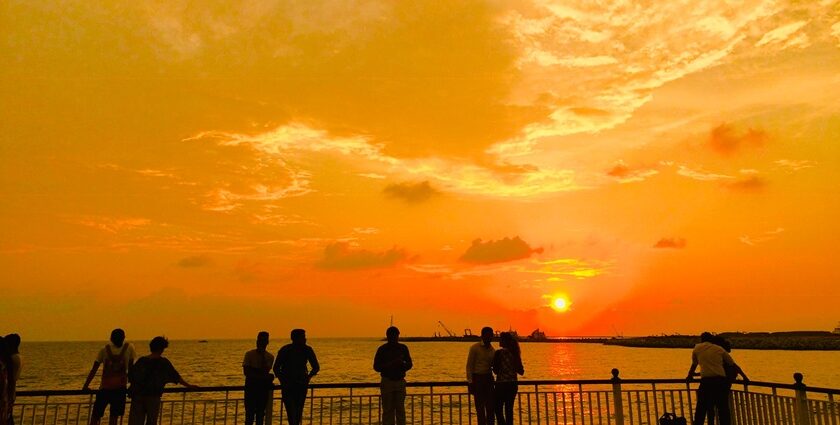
x=113 y=397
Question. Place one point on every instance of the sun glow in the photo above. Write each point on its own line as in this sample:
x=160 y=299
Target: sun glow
x=560 y=303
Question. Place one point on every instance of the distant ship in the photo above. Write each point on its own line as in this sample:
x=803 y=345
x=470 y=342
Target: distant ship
x=535 y=336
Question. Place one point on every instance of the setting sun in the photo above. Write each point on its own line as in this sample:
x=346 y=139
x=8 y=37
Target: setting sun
x=560 y=304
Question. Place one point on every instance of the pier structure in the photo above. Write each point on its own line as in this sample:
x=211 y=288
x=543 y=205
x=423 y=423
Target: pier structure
x=613 y=401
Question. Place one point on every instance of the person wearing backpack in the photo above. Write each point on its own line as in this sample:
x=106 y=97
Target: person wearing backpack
x=116 y=358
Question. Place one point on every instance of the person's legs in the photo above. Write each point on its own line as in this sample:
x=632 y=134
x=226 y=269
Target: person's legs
x=703 y=403
x=250 y=405
x=498 y=405
x=152 y=409
x=483 y=394
x=288 y=403
x=388 y=395
x=260 y=403
x=117 y=400
x=399 y=402
x=98 y=407
x=508 y=405
x=722 y=401
x=137 y=411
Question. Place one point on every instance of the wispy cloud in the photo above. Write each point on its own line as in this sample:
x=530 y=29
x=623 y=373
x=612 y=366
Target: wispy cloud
x=761 y=238
x=195 y=261
x=498 y=251
x=112 y=224
x=672 y=243
x=624 y=174
x=701 y=174
x=791 y=165
x=341 y=256
x=788 y=35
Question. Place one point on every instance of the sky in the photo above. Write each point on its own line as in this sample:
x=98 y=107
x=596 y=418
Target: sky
x=212 y=169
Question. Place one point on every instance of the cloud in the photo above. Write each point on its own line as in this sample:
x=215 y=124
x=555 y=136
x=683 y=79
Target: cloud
x=674 y=243
x=411 y=192
x=195 y=261
x=701 y=174
x=498 y=251
x=113 y=224
x=749 y=183
x=764 y=237
x=724 y=139
x=339 y=256
x=784 y=34
x=624 y=174
x=791 y=165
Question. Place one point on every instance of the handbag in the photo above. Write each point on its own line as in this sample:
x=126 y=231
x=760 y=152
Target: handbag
x=671 y=419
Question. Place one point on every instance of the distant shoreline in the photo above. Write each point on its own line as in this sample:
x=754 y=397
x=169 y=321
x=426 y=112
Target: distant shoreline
x=792 y=341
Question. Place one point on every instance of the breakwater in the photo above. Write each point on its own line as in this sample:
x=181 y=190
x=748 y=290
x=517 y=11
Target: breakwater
x=797 y=340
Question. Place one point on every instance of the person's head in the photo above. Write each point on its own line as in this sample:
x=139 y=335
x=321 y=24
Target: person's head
x=486 y=335
x=118 y=337
x=392 y=334
x=12 y=343
x=262 y=340
x=158 y=344
x=722 y=342
x=506 y=340
x=298 y=336
x=706 y=337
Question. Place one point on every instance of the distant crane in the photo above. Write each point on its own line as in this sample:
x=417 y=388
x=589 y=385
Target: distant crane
x=446 y=329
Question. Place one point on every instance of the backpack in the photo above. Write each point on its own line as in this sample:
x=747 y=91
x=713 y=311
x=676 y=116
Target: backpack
x=671 y=419
x=114 y=369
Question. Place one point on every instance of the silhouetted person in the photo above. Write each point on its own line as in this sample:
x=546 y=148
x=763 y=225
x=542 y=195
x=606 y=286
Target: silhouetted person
x=258 y=380
x=392 y=360
x=714 y=385
x=148 y=376
x=507 y=363
x=13 y=348
x=294 y=375
x=479 y=377
x=732 y=371
x=116 y=358
x=7 y=383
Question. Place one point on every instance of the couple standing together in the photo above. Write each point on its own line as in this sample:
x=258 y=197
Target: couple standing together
x=494 y=397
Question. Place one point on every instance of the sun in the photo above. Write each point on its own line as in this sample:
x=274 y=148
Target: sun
x=560 y=303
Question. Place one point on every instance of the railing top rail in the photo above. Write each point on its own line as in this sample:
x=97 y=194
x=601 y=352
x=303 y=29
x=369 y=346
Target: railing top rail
x=347 y=385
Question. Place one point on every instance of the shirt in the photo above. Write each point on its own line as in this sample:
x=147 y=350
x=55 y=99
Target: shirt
x=479 y=360
x=129 y=354
x=260 y=361
x=290 y=366
x=506 y=365
x=392 y=360
x=711 y=358
x=149 y=376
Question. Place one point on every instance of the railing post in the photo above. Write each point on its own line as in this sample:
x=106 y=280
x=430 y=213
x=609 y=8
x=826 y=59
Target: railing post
x=618 y=402
x=802 y=412
x=269 y=407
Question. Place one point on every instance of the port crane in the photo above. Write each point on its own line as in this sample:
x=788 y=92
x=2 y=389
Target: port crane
x=446 y=329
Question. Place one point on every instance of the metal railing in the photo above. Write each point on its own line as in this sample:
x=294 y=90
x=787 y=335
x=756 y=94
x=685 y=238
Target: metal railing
x=613 y=401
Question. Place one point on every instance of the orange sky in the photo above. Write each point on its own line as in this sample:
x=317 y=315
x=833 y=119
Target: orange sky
x=207 y=170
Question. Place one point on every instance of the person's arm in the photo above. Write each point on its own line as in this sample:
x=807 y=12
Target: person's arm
x=278 y=364
x=91 y=375
x=175 y=377
x=693 y=367
x=728 y=360
x=407 y=360
x=471 y=364
x=313 y=362
x=377 y=360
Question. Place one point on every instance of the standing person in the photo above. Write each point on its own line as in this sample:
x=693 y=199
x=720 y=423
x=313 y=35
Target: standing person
x=714 y=385
x=293 y=374
x=732 y=372
x=258 y=380
x=507 y=363
x=392 y=360
x=116 y=357
x=148 y=376
x=479 y=377
x=13 y=349
x=7 y=382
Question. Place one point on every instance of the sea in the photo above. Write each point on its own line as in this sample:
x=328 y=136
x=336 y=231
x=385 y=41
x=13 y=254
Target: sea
x=64 y=365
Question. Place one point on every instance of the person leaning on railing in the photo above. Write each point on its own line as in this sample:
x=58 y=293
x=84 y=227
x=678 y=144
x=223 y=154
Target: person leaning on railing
x=258 y=380
x=290 y=368
x=392 y=361
x=713 y=392
x=148 y=376
x=116 y=358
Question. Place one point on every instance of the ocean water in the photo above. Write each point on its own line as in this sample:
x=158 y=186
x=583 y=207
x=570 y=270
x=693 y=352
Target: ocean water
x=64 y=365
